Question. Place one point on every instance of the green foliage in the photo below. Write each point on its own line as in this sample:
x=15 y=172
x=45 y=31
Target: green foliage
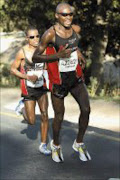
x=7 y=80
x=116 y=4
x=95 y=18
x=107 y=90
x=18 y=14
x=108 y=11
x=92 y=88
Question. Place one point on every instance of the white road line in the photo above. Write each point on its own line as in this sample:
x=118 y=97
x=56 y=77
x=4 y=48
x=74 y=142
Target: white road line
x=114 y=179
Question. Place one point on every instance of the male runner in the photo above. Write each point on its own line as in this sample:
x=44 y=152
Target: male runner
x=66 y=76
x=32 y=84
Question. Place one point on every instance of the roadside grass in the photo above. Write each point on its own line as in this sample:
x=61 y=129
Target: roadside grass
x=105 y=97
x=115 y=99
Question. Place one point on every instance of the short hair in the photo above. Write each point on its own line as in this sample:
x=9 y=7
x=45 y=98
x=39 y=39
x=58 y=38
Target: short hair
x=30 y=28
x=63 y=4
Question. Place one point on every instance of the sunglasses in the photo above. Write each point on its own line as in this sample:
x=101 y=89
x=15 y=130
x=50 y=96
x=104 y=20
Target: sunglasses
x=32 y=37
x=66 y=14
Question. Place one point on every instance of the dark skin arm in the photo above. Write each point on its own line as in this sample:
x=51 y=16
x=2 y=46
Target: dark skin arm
x=81 y=58
x=48 y=37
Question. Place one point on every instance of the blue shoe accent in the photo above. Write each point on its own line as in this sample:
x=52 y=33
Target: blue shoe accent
x=43 y=149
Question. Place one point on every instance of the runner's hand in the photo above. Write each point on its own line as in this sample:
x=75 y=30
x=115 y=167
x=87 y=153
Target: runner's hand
x=82 y=60
x=82 y=63
x=65 y=52
x=32 y=78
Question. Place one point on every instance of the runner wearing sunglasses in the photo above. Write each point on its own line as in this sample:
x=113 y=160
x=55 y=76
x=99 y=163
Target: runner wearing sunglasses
x=32 y=85
x=66 y=76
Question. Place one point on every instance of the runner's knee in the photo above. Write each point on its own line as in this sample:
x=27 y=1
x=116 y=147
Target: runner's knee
x=85 y=110
x=31 y=120
x=44 y=116
x=59 y=116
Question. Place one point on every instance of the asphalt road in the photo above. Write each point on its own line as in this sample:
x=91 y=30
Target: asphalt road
x=21 y=159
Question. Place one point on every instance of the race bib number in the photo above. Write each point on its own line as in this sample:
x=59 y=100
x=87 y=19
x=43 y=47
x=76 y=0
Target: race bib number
x=68 y=64
x=40 y=80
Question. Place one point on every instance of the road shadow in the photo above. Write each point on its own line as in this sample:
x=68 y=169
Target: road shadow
x=20 y=158
x=68 y=128
x=33 y=131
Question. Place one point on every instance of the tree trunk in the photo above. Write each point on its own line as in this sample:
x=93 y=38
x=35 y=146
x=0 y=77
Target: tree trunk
x=99 y=46
x=99 y=50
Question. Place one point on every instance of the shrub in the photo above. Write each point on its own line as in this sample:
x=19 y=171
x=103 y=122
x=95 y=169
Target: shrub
x=107 y=90
x=7 y=79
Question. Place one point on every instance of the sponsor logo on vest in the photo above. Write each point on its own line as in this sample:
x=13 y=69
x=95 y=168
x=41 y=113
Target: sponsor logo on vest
x=39 y=66
x=71 y=41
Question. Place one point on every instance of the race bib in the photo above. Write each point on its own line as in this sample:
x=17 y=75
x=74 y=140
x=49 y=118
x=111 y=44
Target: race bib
x=68 y=64
x=40 y=80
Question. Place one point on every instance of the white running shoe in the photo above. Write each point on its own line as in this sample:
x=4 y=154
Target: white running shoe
x=57 y=154
x=81 y=148
x=43 y=149
x=19 y=107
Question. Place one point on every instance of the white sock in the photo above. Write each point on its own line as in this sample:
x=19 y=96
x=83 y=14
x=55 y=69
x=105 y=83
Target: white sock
x=56 y=146
x=81 y=143
x=42 y=143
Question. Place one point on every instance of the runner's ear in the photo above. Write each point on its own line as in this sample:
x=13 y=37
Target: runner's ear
x=56 y=15
x=26 y=38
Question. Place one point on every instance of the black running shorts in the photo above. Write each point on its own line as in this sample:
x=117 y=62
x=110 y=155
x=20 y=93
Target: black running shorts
x=69 y=81
x=34 y=93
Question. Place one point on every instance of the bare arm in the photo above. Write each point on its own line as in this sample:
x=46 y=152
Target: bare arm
x=76 y=28
x=47 y=38
x=16 y=64
x=81 y=59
